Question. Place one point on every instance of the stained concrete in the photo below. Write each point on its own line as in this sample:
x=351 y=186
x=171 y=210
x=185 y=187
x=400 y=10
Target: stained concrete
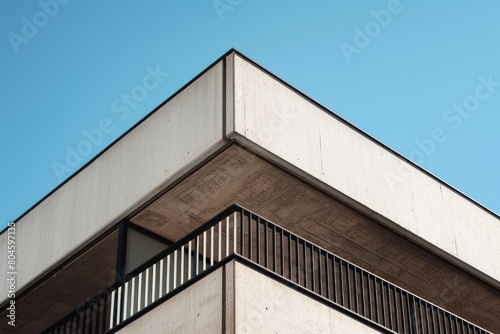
x=309 y=171
x=238 y=175
x=197 y=309
x=263 y=305
x=67 y=288
x=252 y=303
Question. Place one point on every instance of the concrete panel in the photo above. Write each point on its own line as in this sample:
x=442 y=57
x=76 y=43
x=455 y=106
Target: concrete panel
x=180 y=134
x=237 y=175
x=289 y=129
x=229 y=101
x=198 y=309
x=229 y=297
x=262 y=305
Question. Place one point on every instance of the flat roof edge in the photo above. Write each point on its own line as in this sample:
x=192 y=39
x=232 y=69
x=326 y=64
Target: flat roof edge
x=288 y=85
x=363 y=133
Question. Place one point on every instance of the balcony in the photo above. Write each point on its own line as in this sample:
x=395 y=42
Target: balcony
x=238 y=234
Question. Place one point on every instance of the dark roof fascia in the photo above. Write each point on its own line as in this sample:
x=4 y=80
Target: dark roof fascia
x=309 y=99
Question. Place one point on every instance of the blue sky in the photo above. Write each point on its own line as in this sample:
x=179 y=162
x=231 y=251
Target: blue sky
x=422 y=77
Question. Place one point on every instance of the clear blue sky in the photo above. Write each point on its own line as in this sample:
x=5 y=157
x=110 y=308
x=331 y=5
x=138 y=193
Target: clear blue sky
x=423 y=77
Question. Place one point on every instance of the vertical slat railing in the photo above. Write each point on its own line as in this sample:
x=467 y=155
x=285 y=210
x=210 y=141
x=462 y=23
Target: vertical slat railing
x=342 y=282
x=239 y=231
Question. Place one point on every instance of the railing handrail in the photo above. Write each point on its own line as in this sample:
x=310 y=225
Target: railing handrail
x=174 y=246
x=126 y=284
x=347 y=261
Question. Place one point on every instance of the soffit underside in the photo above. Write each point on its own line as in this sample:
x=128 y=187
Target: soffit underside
x=66 y=289
x=239 y=176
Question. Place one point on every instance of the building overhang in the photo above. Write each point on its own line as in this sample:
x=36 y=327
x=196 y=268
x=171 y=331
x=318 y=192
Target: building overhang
x=238 y=299
x=238 y=134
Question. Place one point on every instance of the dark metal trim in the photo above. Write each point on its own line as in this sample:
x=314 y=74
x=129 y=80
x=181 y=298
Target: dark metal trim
x=309 y=99
x=407 y=305
x=121 y=254
x=268 y=273
x=148 y=233
x=25 y=291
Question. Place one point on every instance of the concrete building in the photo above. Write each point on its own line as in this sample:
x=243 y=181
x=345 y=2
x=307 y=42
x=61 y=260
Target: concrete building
x=240 y=205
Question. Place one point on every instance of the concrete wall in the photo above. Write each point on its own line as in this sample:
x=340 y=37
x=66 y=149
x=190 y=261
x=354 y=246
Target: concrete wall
x=287 y=128
x=148 y=158
x=198 y=309
x=243 y=301
x=263 y=305
x=271 y=119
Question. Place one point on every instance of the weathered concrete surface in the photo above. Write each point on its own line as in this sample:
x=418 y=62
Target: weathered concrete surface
x=279 y=124
x=197 y=309
x=252 y=303
x=65 y=290
x=262 y=305
x=287 y=128
x=181 y=133
x=238 y=175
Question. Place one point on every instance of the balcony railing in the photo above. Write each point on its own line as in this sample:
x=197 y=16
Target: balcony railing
x=241 y=233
